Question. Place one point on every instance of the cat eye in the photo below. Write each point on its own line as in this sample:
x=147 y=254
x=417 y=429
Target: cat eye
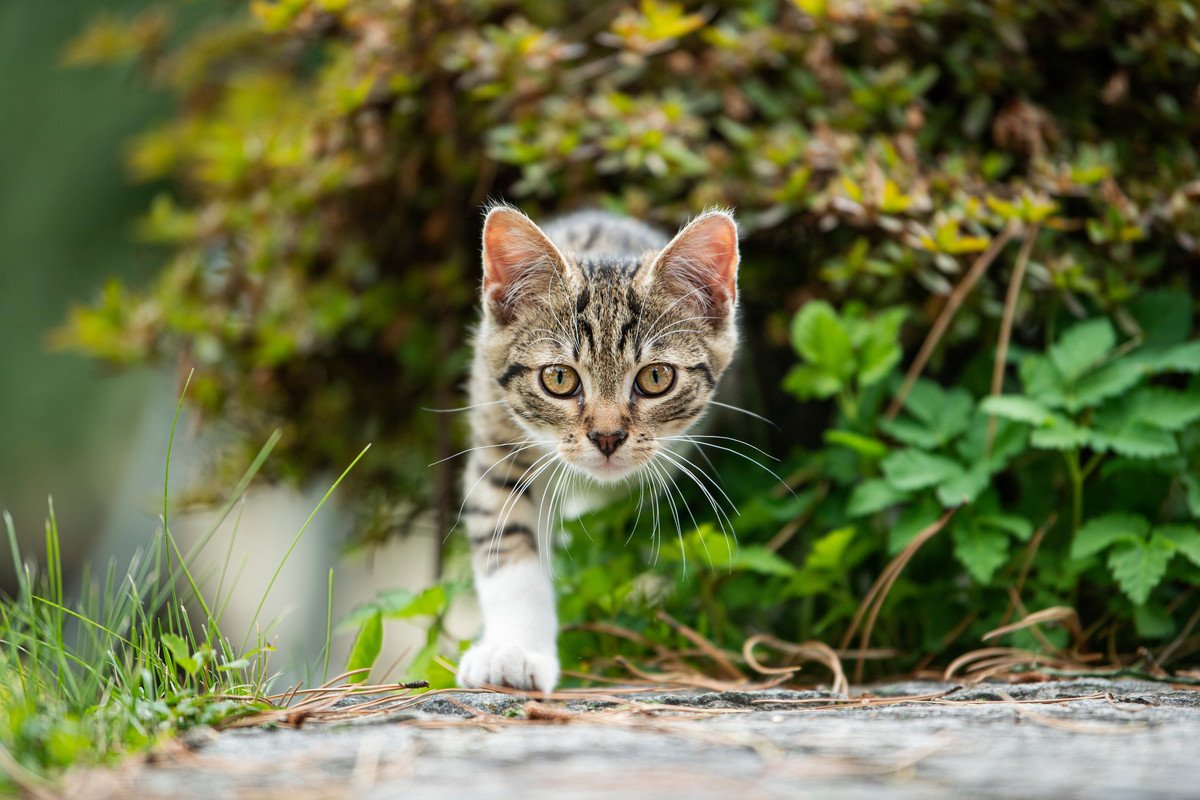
x=654 y=379
x=560 y=380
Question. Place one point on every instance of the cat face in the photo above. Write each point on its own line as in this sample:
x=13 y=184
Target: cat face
x=608 y=355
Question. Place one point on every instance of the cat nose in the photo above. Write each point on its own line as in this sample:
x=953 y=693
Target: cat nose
x=607 y=442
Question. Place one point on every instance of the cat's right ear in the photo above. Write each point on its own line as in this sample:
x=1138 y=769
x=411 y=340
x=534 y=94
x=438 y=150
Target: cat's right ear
x=519 y=262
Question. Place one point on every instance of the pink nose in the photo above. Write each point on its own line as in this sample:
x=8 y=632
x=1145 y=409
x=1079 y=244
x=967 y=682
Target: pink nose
x=607 y=443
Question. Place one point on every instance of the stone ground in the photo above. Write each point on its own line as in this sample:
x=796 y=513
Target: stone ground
x=1128 y=739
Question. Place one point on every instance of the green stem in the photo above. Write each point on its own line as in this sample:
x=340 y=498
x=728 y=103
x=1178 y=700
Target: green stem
x=1076 y=475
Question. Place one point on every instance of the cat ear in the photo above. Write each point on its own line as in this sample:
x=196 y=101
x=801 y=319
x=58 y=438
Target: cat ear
x=702 y=262
x=518 y=260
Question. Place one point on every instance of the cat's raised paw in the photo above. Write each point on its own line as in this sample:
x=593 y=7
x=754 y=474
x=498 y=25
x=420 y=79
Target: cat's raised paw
x=507 y=664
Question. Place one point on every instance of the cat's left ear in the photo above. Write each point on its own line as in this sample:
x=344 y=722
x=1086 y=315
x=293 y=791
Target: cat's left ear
x=519 y=261
x=701 y=262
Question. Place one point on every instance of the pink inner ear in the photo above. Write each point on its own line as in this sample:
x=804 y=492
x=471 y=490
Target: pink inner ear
x=716 y=245
x=704 y=254
x=508 y=244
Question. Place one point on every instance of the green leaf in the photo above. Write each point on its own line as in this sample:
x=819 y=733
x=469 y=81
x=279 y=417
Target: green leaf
x=366 y=647
x=1139 y=566
x=871 y=496
x=1099 y=533
x=809 y=382
x=400 y=604
x=1191 y=488
x=1186 y=539
x=908 y=431
x=1042 y=382
x=1016 y=526
x=867 y=446
x=819 y=336
x=1082 y=347
x=880 y=351
x=1166 y=408
x=763 y=561
x=828 y=552
x=981 y=551
x=910 y=469
x=1109 y=381
x=1181 y=358
x=1117 y=428
x=1061 y=435
x=965 y=487
x=913 y=519
x=1017 y=408
x=177 y=646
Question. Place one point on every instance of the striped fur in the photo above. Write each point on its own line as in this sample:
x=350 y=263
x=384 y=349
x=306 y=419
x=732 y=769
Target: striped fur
x=605 y=296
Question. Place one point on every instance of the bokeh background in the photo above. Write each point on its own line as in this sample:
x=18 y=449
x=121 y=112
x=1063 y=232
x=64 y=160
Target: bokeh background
x=995 y=198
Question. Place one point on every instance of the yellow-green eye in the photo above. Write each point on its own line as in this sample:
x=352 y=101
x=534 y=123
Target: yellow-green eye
x=654 y=379
x=560 y=380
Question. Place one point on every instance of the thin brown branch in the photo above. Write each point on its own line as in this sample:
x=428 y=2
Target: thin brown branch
x=872 y=604
x=942 y=323
x=1006 y=323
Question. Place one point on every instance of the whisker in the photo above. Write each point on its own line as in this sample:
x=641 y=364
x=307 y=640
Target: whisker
x=690 y=436
x=744 y=411
x=473 y=449
x=763 y=467
x=464 y=408
x=466 y=497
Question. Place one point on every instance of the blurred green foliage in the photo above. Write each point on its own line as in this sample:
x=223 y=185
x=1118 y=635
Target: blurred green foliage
x=331 y=159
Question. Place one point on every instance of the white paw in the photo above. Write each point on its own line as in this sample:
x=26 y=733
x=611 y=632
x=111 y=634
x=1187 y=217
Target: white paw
x=507 y=664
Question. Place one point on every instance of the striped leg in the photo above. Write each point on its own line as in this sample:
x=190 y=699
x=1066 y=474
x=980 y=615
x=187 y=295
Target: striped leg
x=518 y=647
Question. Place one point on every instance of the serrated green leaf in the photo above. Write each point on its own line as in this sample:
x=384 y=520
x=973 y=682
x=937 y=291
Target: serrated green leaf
x=1139 y=566
x=1167 y=409
x=1041 y=381
x=908 y=431
x=1108 y=381
x=965 y=487
x=871 y=496
x=366 y=647
x=925 y=400
x=1011 y=438
x=1017 y=408
x=1136 y=440
x=821 y=339
x=979 y=550
x=1061 y=435
x=1181 y=358
x=1102 y=532
x=809 y=382
x=1016 y=526
x=910 y=469
x=1186 y=539
x=1082 y=347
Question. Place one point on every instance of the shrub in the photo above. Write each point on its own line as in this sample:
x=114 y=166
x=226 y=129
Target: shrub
x=331 y=159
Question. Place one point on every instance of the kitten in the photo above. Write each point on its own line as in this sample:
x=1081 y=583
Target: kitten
x=598 y=336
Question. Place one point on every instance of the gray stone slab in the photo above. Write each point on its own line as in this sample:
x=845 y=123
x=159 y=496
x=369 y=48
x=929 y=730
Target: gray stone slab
x=1139 y=740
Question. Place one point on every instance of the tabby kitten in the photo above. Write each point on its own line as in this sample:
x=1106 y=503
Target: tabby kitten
x=599 y=338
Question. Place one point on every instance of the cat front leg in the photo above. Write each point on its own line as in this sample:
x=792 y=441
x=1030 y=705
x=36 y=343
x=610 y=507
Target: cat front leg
x=518 y=647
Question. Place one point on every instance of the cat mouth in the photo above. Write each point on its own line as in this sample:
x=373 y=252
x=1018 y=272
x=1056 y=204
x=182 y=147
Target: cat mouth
x=609 y=470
